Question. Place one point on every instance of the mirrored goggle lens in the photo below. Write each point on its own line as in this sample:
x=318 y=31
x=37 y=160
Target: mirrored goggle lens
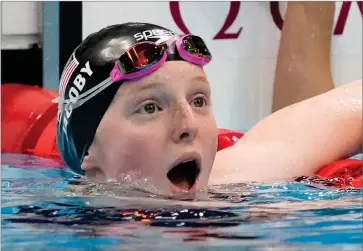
x=196 y=46
x=139 y=57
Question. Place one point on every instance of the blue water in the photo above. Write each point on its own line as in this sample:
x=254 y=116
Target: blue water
x=52 y=209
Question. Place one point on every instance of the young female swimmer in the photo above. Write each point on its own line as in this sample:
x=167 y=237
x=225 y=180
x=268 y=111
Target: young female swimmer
x=139 y=107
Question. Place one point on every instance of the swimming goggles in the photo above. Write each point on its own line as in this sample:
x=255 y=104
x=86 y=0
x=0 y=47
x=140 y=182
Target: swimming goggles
x=144 y=58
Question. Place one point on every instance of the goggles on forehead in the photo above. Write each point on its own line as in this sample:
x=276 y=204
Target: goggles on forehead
x=146 y=57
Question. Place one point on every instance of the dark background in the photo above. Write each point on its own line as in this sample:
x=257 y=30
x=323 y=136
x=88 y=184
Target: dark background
x=26 y=65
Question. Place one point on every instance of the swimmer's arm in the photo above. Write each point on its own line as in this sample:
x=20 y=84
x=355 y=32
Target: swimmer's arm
x=296 y=140
x=303 y=67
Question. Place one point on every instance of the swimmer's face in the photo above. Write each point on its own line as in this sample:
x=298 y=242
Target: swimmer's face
x=152 y=126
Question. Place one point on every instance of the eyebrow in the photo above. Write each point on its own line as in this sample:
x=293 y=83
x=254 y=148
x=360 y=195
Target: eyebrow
x=151 y=85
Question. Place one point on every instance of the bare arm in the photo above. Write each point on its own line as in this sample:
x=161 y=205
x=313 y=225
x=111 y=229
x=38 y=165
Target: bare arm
x=296 y=140
x=303 y=67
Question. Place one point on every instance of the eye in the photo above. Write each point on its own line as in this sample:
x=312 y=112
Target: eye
x=199 y=102
x=148 y=109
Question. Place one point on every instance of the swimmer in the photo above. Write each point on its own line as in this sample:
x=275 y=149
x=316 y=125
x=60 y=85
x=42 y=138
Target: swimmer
x=154 y=122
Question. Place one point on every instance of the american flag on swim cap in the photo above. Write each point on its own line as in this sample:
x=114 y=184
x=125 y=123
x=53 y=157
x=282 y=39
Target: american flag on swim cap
x=66 y=75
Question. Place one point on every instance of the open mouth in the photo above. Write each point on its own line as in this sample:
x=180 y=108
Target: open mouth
x=184 y=175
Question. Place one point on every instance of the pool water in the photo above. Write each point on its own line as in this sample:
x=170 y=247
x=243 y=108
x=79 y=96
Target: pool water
x=52 y=209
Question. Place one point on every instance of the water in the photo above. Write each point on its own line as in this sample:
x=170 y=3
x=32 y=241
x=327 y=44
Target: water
x=51 y=209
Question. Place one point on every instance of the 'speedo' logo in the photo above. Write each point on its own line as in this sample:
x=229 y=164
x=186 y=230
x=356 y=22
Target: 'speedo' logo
x=156 y=33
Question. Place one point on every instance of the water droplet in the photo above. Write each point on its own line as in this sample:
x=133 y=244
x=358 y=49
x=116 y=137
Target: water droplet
x=235 y=138
x=313 y=35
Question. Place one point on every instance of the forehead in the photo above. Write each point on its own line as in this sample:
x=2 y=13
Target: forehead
x=175 y=72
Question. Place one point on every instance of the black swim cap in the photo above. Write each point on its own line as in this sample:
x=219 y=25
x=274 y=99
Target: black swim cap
x=89 y=65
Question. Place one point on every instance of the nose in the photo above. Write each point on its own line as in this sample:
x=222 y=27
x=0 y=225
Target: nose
x=184 y=125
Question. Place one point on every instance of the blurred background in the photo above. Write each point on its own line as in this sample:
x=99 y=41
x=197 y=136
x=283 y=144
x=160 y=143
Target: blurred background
x=38 y=37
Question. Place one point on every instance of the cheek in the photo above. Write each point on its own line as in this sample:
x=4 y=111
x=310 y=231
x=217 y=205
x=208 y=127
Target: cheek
x=209 y=128
x=134 y=150
x=209 y=132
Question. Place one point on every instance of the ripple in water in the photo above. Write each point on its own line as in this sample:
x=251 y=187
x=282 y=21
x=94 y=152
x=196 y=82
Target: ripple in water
x=51 y=209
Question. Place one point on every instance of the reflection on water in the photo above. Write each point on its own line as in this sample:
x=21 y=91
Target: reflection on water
x=51 y=209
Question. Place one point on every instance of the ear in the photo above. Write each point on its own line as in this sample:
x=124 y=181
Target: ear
x=91 y=167
x=89 y=162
